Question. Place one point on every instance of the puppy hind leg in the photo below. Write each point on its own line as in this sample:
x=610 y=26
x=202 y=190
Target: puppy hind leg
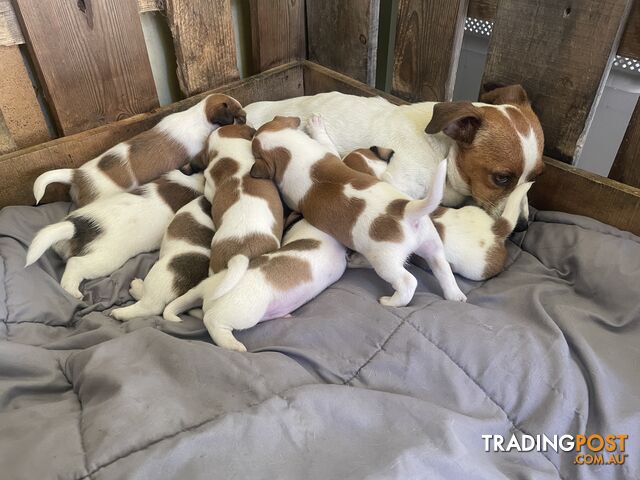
x=138 y=309
x=74 y=274
x=433 y=252
x=400 y=279
x=223 y=336
x=136 y=289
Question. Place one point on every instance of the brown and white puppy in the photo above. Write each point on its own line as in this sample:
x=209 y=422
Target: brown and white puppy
x=474 y=242
x=183 y=262
x=98 y=238
x=491 y=146
x=275 y=285
x=247 y=213
x=174 y=141
x=364 y=214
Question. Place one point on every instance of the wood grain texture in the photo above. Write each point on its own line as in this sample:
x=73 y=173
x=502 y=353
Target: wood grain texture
x=92 y=64
x=23 y=119
x=19 y=169
x=428 y=42
x=569 y=189
x=343 y=35
x=277 y=32
x=626 y=166
x=10 y=33
x=629 y=45
x=204 y=41
x=552 y=51
x=562 y=187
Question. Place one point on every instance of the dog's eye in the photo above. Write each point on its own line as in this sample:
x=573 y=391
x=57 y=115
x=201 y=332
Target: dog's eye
x=501 y=179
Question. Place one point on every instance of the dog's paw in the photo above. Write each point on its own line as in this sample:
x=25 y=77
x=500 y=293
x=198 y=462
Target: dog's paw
x=117 y=314
x=135 y=289
x=456 y=296
x=72 y=290
x=315 y=126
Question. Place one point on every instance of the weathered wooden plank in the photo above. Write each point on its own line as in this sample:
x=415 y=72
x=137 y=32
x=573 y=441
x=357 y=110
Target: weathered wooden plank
x=7 y=144
x=630 y=43
x=626 y=166
x=428 y=42
x=569 y=189
x=10 y=33
x=551 y=49
x=203 y=36
x=91 y=60
x=482 y=9
x=562 y=187
x=23 y=119
x=277 y=32
x=343 y=35
x=19 y=169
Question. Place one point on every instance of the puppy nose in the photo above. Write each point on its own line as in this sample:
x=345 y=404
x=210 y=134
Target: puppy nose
x=522 y=225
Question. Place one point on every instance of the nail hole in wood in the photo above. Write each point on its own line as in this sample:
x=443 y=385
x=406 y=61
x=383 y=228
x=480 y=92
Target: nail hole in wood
x=567 y=12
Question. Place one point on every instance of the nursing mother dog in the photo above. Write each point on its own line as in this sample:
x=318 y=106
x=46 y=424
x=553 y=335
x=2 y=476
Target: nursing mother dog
x=491 y=147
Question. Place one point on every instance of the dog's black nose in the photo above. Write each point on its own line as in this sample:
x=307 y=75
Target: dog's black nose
x=522 y=225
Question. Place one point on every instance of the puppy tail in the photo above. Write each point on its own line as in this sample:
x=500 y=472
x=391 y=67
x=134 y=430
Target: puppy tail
x=213 y=287
x=47 y=237
x=421 y=208
x=62 y=175
x=511 y=211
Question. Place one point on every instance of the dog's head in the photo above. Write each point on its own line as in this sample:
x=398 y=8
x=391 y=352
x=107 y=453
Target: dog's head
x=271 y=162
x=223 y=110
x=499 y=144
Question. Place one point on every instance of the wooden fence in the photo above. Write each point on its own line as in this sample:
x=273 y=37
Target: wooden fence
x=90 y=60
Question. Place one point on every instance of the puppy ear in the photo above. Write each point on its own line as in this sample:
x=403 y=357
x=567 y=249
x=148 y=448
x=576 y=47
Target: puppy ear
x=200 y=162
x=224 y=110
x=382 y=153
x=261 y=169
x=497 y=94
x=288 y=122
x=458 y=120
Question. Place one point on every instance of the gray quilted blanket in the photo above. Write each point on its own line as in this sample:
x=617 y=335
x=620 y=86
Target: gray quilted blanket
x=344 y=389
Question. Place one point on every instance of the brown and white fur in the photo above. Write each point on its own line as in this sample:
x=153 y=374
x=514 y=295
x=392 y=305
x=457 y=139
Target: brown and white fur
x=174 y=141
x=247 y=214
x=491 y=146
x=183 y=262
x=98 y=238
x=275 y=285
x=474 y=242
x=364 y=214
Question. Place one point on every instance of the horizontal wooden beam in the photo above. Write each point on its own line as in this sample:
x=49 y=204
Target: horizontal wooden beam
x=19 y=169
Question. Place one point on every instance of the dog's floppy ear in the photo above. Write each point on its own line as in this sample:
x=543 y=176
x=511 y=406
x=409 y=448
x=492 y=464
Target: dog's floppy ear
x=458 y=120
x=288 y=122
x=498 y=94
x=224 y=110
x=262 y=169
x=382 y=153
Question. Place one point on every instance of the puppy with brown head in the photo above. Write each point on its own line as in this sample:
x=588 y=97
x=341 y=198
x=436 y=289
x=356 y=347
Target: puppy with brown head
x=474 y=242
x=361 y=212
x=169 y=145
x=247 y=214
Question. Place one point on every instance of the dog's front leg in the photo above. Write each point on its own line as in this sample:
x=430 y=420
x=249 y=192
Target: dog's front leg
x=317 y=130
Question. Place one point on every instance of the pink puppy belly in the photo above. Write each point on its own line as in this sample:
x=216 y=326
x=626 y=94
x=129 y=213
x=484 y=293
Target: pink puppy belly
x=286 y=302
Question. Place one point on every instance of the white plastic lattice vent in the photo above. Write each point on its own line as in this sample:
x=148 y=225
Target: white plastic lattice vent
x=479 y=27
x=626 y=63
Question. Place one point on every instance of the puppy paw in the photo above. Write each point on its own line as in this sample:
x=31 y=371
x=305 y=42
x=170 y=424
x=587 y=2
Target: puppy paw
x=117 y=314
x=315 y=126
x=135 y=289
x=456 y=296
x=391 y=302
x=72 y=290
x=171 y=317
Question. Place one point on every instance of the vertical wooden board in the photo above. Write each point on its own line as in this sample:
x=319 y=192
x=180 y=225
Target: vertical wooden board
x=277 y=32
x=630 y=43
x=428 y=42
x=203 y=36
x=482 y=9
x=91 y=59
x=23 y=119
x=561 y=55
x=343 y=35
x=626 y=166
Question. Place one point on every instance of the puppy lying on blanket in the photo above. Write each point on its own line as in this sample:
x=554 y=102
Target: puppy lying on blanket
x=363 y=213
x=167 y=146
x=474 y=242
x=247 y=215
x=183 y=262
x=275 y=285
x=98 y=238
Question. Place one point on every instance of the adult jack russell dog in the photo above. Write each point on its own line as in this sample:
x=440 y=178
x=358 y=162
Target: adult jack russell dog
x=491 y=147
x=172 y=143
x=364 y=214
